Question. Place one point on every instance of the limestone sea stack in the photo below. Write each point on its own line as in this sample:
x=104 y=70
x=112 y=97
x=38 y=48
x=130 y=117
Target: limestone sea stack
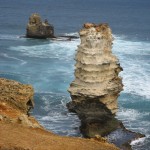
x=21 y=131
x=96 y=87
x=38 y=29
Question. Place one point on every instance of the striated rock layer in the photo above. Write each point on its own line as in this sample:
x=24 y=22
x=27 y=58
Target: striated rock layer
x=96 y=87
x=38 y=29
x=96 y=69
x=19 y=131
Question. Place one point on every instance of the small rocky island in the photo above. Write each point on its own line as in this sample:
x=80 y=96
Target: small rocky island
x=38 y=29
x=20 y=131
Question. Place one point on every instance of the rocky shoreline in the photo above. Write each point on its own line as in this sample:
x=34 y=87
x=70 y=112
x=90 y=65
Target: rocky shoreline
x=20 y=131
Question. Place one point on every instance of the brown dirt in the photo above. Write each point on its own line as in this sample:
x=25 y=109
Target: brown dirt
x=17 y=137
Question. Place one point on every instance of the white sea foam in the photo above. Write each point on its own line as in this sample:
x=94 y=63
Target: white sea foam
x=58 y=119
x=72 y=34
x=133 y=57
x=138 y=141
x=60 y=122
x=9 y=37
x=128 y=114
x=134 y=120
x=14 y=74
x=11 y=57
x=62 y=50
x=131 y=113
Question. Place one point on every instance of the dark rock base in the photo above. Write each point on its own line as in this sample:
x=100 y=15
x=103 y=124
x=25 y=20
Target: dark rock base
x=97 y=120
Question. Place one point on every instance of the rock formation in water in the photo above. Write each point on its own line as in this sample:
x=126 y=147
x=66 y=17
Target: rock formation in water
x=38 y=29
x=20 y=131
x=96 y=87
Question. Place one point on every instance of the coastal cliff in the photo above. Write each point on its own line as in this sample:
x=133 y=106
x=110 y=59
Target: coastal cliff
x=16 y=100
x=38 y=29
x=96 y=87
x=20 y=131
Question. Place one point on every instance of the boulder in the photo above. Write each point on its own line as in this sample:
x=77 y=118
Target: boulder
x=38 y=29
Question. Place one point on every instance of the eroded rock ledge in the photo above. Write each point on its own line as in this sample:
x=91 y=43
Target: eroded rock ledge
x=20 y=131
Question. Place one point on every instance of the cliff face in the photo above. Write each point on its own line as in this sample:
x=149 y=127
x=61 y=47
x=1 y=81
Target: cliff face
x=96 y=87
x=38 y=29
x=16 y=100
x=19 y=131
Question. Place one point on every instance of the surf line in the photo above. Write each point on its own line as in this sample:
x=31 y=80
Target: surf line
x=6 y=55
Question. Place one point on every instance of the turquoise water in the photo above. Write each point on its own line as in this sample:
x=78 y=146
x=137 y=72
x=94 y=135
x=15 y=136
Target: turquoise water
x=49 y=65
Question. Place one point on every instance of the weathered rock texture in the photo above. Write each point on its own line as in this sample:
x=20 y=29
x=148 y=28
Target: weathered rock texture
x=97 y=69
x=19 y=131
x=16 y=100
x=96 y=87
x=38 y=29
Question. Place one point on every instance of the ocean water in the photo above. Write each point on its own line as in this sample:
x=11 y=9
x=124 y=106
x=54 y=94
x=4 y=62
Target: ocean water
x=49 y=65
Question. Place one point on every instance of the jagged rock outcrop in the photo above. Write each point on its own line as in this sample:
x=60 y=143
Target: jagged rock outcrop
x=16 y=100
x=38 y=29
x=20 y=131
x=96 y=87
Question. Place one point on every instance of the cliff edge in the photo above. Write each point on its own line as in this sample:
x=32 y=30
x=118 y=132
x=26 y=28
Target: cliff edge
x=20 y=131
